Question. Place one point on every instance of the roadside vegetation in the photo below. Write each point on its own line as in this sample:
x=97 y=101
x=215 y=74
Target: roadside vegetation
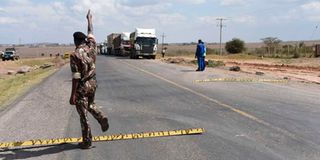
x=12 y=86
x=270 y=47
x=234 y=46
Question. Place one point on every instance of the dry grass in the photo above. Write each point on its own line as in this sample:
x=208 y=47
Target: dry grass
x=13 y=87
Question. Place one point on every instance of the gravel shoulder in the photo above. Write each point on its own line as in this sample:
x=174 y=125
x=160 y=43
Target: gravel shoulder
x=299 y=70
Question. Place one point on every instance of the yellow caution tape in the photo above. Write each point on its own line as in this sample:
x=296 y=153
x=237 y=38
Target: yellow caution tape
x=103 y=138
x=241 y=80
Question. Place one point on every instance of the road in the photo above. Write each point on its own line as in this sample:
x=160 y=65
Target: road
x=242 y=121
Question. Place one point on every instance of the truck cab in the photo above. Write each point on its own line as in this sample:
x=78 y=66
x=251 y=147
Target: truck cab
x=144 y=43
x=122 y=45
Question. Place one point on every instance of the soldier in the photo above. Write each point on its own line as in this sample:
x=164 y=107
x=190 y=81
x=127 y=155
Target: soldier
x=82 y=63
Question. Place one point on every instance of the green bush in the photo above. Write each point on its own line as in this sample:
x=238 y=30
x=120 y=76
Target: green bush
x=236 y=45
x=296 y=55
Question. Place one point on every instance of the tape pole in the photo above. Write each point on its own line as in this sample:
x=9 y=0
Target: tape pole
x=56 y=141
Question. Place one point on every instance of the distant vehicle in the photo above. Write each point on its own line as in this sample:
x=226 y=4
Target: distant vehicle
x=122 y=45
x=104 y=47
x=10 y=54
x=118 y=44
x=100 y=48
x=110 y=44
x=143 y=43
x=66 y=55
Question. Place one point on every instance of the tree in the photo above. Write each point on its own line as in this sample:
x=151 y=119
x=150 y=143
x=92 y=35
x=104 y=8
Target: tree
x=236 y=45
x=271 y=43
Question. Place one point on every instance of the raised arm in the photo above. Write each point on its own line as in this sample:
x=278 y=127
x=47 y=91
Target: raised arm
x=91 y=41
x=90 y=26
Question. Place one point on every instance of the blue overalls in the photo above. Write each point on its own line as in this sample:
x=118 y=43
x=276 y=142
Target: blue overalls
x=200 y=56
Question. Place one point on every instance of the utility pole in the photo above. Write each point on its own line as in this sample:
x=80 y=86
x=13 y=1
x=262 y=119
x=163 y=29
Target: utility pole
x=221 y=26
x=163 y=36
x=162 y=52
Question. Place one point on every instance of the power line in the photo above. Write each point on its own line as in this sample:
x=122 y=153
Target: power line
x=221 y=26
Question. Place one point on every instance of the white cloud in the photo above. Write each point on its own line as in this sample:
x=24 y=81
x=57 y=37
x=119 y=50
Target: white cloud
x=138 y=3
x=245 y=19
x=19 y=2
x=315 y=5
x=131 y=13
x=8 y=20
x=192 y=1
x=99 y=6
x=144 y=3
x=311 y=10
x=208 y=19
x=233 y=2
x=169 y=19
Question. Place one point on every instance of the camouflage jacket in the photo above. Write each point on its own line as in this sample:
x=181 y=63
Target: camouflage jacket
x=83 y=65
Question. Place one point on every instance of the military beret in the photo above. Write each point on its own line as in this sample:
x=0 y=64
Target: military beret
x=79 y=35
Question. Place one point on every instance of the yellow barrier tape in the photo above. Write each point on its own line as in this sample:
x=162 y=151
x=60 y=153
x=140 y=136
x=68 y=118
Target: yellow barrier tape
x=241 y=80
x=103 y=138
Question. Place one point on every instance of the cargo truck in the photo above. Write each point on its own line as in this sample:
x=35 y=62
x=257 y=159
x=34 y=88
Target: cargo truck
x=143 y=43
x=122 y=45
x=110 y=44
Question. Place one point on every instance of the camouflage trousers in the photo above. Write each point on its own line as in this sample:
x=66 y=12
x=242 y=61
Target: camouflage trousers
x=84 y=104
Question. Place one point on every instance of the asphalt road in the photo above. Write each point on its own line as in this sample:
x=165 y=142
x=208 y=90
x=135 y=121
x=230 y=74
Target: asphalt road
x=243 y=121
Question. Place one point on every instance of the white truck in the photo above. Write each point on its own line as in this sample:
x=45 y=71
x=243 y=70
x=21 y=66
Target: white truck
x=143 y=43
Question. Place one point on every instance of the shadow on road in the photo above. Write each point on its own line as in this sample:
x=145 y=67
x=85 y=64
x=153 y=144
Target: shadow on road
x=122 y=58
x=117 y=57
x=188 y=70
x=32 y=152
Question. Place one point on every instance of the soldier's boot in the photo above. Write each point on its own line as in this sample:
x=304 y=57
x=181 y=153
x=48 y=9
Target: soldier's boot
x=85 y=145
x=87 y=142
x=104 y=124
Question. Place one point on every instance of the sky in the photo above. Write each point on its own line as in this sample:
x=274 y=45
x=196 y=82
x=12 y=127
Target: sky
x=36 y=21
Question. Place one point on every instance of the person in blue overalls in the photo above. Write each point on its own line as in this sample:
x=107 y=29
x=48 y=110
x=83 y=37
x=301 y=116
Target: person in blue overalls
x=200 y=54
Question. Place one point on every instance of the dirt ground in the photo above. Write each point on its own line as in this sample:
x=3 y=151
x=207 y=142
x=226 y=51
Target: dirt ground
x=34 y=53
x=301 y=70
x=34 y=63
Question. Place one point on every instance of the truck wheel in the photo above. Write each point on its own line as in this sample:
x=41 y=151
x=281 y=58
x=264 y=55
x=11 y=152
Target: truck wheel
x=3 y=59
x=153 y=57
x=134 y=55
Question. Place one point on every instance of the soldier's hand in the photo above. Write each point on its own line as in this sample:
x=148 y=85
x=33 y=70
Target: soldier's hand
x=72 y=100
x=89 y=15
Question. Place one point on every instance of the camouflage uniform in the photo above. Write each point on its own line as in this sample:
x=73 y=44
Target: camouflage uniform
x=83 y=68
